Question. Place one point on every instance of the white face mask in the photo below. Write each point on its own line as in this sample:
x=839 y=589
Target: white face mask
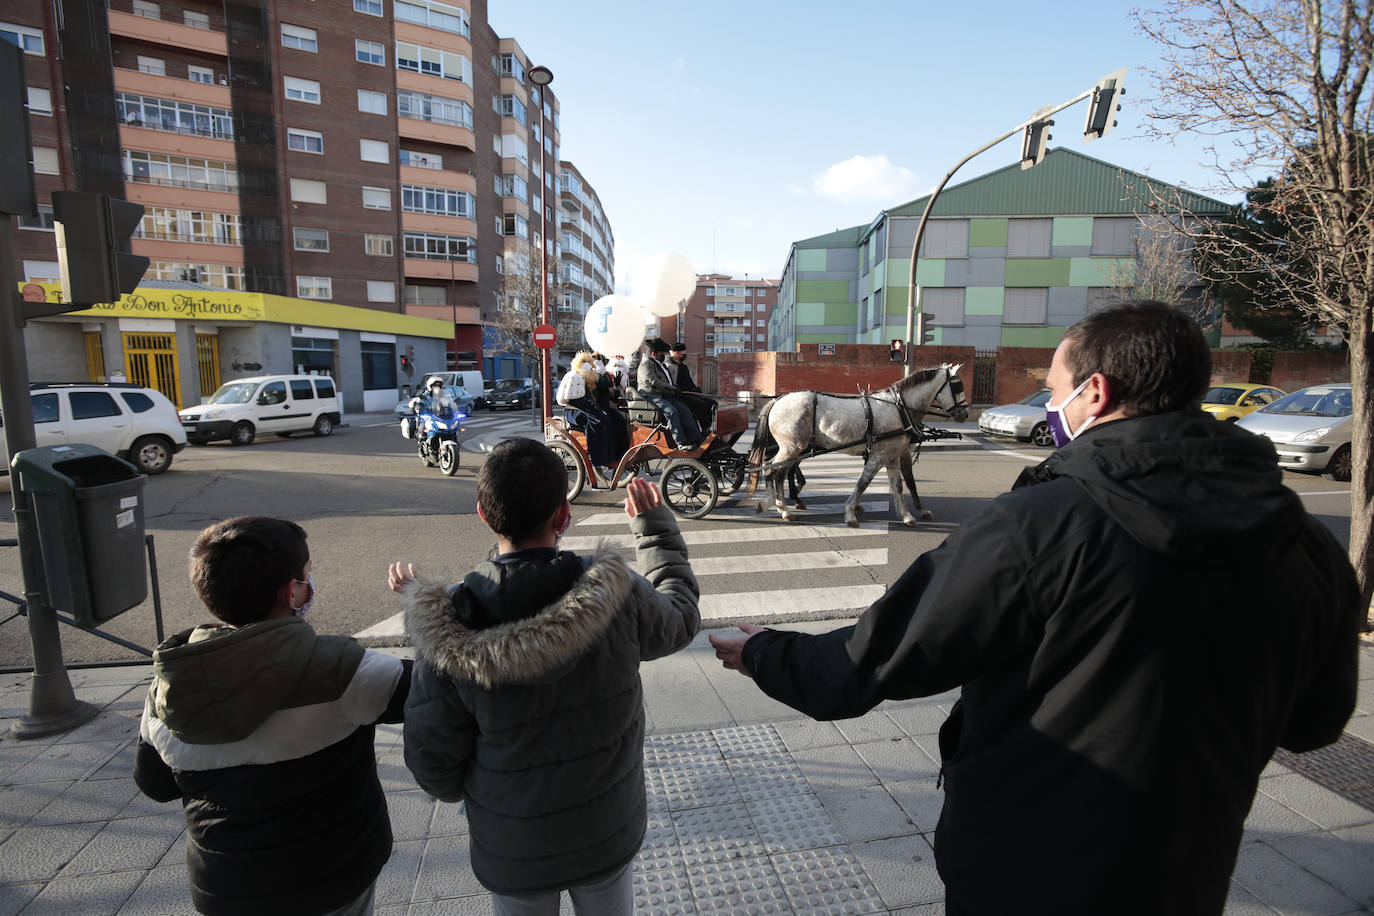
x=1058 y=423
x=305 y=608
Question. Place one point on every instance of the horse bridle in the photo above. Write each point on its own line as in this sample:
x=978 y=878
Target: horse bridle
x=956 y=394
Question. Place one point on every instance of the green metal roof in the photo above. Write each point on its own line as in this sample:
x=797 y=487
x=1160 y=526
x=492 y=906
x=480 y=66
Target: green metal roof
x=1064 y=183
x=840 y=238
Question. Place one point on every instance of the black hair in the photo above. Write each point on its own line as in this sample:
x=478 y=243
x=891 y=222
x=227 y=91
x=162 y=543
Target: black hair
x=1153 y=354
x=520 y=486
x=238 y=565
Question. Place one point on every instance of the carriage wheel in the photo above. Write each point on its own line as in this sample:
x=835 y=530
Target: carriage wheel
x=729 y=479
x=689 y=488
x=577 y=475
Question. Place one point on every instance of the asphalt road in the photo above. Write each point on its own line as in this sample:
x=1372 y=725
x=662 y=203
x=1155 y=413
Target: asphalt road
x=366 y=500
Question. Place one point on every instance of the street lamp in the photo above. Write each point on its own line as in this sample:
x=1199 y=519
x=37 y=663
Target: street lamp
x=541 y=77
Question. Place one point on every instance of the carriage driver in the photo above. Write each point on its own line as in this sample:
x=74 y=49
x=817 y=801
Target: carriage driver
x=657 y=384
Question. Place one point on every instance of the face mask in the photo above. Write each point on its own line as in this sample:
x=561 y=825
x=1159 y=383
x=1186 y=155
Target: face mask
x=599 y=366
x=305 y=608
x=1054 y=416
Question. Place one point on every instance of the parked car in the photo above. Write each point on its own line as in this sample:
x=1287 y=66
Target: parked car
x=515 y=393
x=1310 y=428
x=132 y=422
x=461 y=399
x=1023 y=420
x=1231 y=402
x=280 y=404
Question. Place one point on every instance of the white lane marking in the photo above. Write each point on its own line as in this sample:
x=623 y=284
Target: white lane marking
x=392 y=626
x=745 y=509
x=1323 y=493
x=782 y=532
x=777 y=562
x=790 y=601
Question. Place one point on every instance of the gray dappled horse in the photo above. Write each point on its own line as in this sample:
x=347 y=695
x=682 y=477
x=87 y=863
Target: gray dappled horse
x=880 y=425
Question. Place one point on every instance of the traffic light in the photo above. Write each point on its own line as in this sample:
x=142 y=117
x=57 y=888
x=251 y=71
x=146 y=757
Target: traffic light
x=896 y=354
x=925 y=334
x=92 y=232
x=405 y=364
x=1104 y=105
x=1035 y=142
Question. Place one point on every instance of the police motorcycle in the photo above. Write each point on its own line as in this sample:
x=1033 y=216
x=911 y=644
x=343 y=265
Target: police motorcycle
x=436 y=430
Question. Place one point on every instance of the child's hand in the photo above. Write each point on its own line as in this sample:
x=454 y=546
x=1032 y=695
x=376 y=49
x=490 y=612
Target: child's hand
x=399 y=576
x=642 y=495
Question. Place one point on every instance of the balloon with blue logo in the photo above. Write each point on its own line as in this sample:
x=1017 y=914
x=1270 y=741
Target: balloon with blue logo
x=614 y=325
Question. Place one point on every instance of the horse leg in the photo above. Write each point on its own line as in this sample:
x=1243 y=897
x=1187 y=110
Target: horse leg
x=795 y=481
x=907 y=462
x=894 y=485
x=865 y=476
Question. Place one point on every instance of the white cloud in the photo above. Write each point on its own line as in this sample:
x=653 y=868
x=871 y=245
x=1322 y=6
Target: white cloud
x=865 y=178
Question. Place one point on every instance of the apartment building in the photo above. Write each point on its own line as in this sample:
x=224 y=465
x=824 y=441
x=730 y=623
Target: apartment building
x=726 y=315
x=381 y=154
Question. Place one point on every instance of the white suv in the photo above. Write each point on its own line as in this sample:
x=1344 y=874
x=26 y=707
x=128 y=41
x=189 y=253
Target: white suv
x=137 y=424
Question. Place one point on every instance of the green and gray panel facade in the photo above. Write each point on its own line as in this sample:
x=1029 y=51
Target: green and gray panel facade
x=1009 y=259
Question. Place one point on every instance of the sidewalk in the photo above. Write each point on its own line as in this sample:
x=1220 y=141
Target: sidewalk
x=753 y=809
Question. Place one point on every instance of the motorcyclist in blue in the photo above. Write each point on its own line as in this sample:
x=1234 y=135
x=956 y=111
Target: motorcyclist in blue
x=435 y=401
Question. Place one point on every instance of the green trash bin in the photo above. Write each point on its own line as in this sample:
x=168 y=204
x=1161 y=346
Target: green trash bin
x=88 y=510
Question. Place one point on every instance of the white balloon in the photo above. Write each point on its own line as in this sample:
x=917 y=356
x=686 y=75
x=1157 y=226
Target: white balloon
x=676 y=280
x=614 y=326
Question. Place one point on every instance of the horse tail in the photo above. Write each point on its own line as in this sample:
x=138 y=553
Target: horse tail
x=762 y=439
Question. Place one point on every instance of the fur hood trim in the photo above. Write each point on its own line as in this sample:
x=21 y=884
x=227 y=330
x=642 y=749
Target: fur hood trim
x=523 y=649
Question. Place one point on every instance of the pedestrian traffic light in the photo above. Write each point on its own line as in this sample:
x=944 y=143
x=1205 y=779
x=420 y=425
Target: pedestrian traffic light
x=1035 y=143
x=1104 y=105
x=925 y=334
x=93 y=231
x=405 y=364
x=896 y=354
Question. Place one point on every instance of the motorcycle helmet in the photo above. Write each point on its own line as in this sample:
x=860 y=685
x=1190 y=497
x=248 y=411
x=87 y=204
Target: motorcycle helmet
x=434 y=380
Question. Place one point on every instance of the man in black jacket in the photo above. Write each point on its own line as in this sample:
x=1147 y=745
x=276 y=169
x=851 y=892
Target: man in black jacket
x=1136 y=627
x=701 y=406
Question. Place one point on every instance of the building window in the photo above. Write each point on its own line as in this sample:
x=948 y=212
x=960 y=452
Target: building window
x=1025 y=306
x=312 y=239
x=30 y=41
x=434 y=15
x=944 y=306
x=176 y=117
x=195 y=20
x=424 y=295
x=437 y=109
x=420 y=160
x=381 y=291
x=1029 y=238
x=305 y=191
x=439 y=201
x=374 y=150
x=200 y=74
x=371 y=102
x=299 y=37
x=1115 y=237
x=174 y=225
x=314 y=287
x=154 y=66
x=377 y=198
x=508 y=106
x=304 y=141
x=45 y=160
x=433 y=62
x=179 y=171
x=510 y=66
x=369 y=52
x=516 y=225
x=378 y=245
x=40 y=101
x=371 y=7
x=945 y=238
x=512 y=186
x=147 y=9
x=43 y=220
x=433 y=247
x=300 y=90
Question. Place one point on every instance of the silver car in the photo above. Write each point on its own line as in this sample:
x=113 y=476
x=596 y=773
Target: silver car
x=1310 y=428
x=1023 y=420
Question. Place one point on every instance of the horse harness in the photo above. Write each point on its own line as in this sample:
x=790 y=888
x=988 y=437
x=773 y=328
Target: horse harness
x=914 y=429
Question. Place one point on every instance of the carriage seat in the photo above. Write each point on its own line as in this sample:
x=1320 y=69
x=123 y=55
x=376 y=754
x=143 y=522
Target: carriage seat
x=641 y=411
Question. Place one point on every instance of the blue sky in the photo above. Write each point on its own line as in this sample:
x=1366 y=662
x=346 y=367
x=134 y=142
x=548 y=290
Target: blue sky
x=723 y=131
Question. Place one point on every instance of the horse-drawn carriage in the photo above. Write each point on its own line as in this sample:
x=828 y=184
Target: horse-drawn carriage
x=691 y=479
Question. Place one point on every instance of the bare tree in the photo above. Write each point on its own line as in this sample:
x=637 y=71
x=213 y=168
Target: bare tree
x=1283 y=87
x=519 y=304
x=1162 y=269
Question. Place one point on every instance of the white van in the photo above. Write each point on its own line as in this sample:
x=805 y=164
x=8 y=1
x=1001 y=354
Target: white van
x=470 y=380
x=278 y=404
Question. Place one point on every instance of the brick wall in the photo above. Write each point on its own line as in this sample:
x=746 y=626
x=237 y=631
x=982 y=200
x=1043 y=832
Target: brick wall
x=1230 y=367
x=852 y=368
x=1020 y=371
x=1300 y=369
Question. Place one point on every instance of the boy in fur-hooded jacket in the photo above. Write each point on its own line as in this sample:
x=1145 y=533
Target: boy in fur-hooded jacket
x=526 y=700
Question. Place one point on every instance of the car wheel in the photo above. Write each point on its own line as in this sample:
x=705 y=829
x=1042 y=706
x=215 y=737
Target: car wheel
x=242 y=433
x=1339 y=465
x=1233 y=419
x=1041 y=435
x=323 y=426
x=151 y=454
x=197 y=440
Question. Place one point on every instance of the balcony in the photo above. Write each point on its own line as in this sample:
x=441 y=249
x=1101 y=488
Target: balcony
x=159 y=85
x=441 y=269
x=458 y=314
x=164 y=32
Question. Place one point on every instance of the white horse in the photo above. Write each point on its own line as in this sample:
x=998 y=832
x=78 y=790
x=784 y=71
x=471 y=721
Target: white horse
x=879 y=425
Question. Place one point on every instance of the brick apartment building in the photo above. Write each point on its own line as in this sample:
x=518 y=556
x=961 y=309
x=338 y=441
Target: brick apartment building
x=388 y=155
x=725 y=315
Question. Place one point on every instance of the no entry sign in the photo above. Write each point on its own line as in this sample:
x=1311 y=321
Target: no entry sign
x=544 y=336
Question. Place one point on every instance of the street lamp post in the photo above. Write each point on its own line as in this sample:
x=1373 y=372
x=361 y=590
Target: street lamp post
x=541 y=77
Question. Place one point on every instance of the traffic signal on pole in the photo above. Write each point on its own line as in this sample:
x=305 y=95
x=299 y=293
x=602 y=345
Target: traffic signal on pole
x=1104 y=105
x=925 y=334
x=1035 y=142
x=897 y=354
x=93 y=232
